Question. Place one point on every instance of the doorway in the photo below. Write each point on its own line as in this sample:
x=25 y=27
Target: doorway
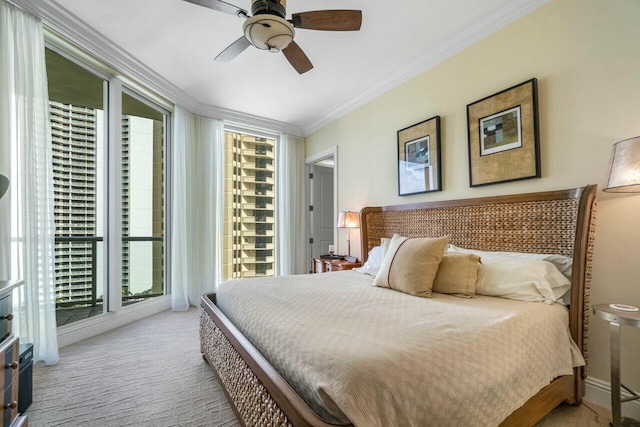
x=321 y=193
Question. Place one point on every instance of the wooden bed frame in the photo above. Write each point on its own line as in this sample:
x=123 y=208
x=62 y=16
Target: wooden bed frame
x=558 y=222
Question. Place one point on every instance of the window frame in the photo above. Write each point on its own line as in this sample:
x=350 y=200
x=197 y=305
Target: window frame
x=168 y=180
x=114 y=86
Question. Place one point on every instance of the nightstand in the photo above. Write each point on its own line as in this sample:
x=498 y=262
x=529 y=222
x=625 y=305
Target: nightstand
x=615 y=319
x=9 y=352
x=321 y=265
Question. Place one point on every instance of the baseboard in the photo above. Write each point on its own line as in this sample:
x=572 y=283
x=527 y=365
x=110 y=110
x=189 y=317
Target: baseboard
x=599 y=393
x=78 y=331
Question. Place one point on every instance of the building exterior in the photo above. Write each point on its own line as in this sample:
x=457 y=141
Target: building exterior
x=74 y=140
x=248 y=247
x=76 y=164
x=126 y=162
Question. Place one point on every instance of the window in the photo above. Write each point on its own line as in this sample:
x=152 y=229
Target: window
x=249 y=206
x=143 y=141
x=79 y=117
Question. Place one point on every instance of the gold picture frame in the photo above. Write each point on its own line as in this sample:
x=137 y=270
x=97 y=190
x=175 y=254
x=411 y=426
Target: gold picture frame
x=419 y=168
x=503 y=136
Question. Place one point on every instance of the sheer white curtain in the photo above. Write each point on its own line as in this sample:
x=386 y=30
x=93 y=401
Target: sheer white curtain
x=198 y=160
x=26 y=156
x=290 y=213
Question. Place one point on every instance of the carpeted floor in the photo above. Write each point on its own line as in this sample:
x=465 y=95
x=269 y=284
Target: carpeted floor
x=151 y=373
x=147 y=373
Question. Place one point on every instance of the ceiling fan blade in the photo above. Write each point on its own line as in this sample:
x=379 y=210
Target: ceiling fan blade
x=297 y=58
x=233 y=50
x=328 y=20
x=221 y=6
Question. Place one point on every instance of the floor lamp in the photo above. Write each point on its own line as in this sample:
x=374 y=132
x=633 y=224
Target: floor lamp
x=623 y=177
x=349 y=220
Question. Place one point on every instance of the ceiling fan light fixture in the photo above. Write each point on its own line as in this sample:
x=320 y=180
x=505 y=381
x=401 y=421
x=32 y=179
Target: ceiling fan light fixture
x=268 y=32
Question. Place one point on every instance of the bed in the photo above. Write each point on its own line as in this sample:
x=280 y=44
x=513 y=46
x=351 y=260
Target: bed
x=557 y=222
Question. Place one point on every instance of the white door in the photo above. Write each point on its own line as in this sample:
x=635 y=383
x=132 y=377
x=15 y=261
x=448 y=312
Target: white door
x=322 y=225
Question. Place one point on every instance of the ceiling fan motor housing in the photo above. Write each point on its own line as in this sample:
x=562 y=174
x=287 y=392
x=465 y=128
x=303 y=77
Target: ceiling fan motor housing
x=268 y=32
x=270 y=7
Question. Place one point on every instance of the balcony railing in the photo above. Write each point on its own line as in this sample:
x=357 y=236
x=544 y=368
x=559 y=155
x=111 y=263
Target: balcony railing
x=257 y=220
x=93 y=301
x=260 y=167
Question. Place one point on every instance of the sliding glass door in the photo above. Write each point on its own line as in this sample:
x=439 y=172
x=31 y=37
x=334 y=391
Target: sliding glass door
x=77 y=114
x=109 y=160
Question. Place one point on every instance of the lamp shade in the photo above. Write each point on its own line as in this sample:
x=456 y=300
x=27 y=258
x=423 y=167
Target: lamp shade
x=348 y=220
x=624 y=168
x=4 y=185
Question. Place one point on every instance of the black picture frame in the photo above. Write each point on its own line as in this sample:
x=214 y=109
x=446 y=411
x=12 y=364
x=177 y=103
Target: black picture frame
x=503 y=136
x=419 y=158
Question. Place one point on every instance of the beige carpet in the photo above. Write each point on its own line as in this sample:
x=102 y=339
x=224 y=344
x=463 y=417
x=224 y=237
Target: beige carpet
x=151 y=373
x=147 y=373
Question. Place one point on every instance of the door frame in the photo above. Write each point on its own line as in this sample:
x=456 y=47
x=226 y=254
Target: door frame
x=308 y=163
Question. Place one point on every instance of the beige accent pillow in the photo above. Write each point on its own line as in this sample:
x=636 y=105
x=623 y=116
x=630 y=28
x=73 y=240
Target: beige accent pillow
x=411 y=264
x=457 y=274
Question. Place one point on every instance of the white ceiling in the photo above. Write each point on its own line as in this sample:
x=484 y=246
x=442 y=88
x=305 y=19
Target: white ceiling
x=178 y=40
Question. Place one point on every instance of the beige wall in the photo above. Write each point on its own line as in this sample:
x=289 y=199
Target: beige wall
x=586 y=57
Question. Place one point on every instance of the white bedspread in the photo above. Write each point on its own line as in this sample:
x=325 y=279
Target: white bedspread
x=378 y=357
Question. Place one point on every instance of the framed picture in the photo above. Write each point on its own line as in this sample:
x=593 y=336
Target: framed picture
x=503 y=136
x=419 y=158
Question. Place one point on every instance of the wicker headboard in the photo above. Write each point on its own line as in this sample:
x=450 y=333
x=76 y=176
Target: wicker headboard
x=554 y=222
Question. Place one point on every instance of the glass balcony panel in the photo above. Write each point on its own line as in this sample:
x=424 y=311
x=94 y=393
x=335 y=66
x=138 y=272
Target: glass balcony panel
x=80 y=281
x=145 y=274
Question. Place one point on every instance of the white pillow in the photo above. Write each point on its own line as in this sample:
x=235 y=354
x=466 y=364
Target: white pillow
x=374 y=260
x=521 y=279
x=563 y=263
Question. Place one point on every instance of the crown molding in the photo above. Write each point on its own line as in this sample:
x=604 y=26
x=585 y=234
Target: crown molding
x=473 y=32
x=72 y=29
x=248 y=121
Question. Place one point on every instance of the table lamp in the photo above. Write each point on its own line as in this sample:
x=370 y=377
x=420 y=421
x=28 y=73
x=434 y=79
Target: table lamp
x=4 y=185
x=624 y=177
x=349 y=220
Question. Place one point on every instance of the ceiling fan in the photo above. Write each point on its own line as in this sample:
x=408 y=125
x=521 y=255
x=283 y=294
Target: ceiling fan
x=268 y=29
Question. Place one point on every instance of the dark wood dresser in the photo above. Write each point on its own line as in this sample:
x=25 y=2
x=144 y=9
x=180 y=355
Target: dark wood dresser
x=10 y=353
